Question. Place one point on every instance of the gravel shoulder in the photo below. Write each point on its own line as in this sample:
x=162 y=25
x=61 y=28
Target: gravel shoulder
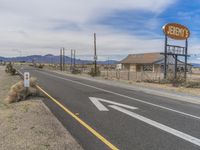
x=30 y=124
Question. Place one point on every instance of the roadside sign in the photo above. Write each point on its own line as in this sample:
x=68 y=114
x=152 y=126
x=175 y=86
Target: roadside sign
x=26 y=79
x=176 y=31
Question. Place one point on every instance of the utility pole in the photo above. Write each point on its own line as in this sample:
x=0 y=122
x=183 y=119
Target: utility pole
x=61 y=59
x=74 y=58
x=107 y=66
x=71 y=59
x=95 y=55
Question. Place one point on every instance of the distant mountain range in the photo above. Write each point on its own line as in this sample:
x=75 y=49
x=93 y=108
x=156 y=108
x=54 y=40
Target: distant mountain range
x=51 y=59
x=194 y=60
x=196 y=65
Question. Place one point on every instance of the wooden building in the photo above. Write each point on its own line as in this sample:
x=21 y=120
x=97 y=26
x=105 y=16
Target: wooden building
x=150 y=62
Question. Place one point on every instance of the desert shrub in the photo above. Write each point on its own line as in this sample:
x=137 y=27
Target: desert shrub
x=18 y=92
x=164 y=81
x=10 y=69
x=41 y=66
x=75 y=71
x=92 y=72
x=13 y=71
x=192 y=84
x=31 y=65
x=151 y=81
x=33 y=82
x=179 y=81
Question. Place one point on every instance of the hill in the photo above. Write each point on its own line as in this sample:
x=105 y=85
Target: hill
x=49 y=58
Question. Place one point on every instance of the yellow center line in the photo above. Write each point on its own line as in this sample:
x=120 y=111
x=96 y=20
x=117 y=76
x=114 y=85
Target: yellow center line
x=94 y=132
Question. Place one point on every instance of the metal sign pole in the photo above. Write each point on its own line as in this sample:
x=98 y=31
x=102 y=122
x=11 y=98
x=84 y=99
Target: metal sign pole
x=165 y=60
x=63 y=58
x=175 y=68
x=74 y=58
x=186 y=48
x=71 y=59
x=95 y=55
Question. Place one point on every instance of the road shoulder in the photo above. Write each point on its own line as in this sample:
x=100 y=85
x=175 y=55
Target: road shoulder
x=30 y=124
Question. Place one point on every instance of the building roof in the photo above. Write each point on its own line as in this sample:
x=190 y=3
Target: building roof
x=145 y=58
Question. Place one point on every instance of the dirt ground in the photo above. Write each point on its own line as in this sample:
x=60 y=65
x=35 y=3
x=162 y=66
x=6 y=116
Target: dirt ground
x=170 y=87
x=29 y=125
x=166 y=87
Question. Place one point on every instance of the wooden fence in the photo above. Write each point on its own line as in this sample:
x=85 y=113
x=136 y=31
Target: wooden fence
x=132 y=76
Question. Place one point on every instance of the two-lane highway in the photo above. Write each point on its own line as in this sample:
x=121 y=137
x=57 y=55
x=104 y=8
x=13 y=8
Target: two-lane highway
x=125 y=119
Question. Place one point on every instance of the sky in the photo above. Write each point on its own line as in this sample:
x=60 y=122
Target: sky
x=39 y=27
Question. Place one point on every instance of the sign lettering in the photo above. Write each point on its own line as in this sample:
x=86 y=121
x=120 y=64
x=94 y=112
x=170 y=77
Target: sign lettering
x=176 y=31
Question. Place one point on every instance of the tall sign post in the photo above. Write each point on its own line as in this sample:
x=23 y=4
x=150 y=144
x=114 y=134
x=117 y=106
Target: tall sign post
x=95 y=55
x=74 y=59
x=186 y=53
x=71 y=59
x=61 y=60
x=176 y=32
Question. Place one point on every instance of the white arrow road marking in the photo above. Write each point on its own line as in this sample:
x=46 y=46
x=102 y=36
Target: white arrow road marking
x=158 y=125
x=101 y=107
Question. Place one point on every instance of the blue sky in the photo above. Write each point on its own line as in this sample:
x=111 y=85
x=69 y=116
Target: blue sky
x=122 y=27
x=141 y=22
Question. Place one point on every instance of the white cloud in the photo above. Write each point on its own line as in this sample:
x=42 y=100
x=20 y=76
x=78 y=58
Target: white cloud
x=33 y=26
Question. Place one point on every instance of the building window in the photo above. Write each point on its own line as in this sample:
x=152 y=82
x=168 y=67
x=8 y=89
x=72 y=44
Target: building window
x=147 y=67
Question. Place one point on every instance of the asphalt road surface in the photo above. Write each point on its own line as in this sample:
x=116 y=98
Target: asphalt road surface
x=128 y=119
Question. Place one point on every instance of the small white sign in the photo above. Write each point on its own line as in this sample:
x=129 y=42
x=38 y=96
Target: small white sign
x=26 y=79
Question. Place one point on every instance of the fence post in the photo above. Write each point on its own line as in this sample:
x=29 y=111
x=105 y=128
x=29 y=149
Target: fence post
x=136 y=76
x=128 y=75
x=107 y=72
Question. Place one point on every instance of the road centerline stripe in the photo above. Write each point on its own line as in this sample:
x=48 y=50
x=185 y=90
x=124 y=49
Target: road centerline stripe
x=94 y=132
x=125 y=96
